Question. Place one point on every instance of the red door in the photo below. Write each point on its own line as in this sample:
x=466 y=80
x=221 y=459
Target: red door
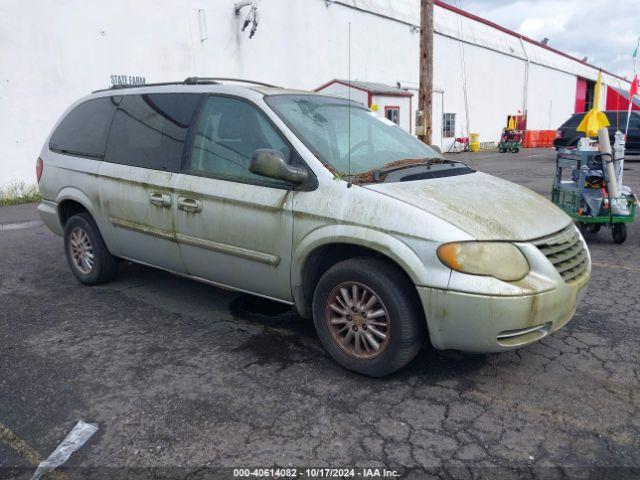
x=581 y=95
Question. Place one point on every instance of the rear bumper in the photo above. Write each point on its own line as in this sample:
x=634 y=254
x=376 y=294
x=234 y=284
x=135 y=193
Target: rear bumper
x=49 y=214
x=483 y=323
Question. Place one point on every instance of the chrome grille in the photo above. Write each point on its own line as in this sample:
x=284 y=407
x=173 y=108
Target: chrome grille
x=566 y=251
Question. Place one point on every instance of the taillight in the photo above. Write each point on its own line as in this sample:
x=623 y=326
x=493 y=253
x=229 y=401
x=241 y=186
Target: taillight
x=39 y=166
x=559 y=134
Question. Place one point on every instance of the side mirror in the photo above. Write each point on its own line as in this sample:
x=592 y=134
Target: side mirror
x=272 y=164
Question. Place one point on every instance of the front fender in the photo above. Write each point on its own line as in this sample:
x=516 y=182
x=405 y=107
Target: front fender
x=381 y=242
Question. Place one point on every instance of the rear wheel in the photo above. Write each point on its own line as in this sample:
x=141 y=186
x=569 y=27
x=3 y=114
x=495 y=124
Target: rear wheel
x=619 y=232
x=367 y=316
x=87 y=255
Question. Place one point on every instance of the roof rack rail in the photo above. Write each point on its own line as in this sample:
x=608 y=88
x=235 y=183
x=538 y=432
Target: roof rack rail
x=188 y=81
x=199 y=80
x=139 y=85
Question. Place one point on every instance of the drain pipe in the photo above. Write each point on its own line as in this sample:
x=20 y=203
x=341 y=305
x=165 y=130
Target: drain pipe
x=526 y=78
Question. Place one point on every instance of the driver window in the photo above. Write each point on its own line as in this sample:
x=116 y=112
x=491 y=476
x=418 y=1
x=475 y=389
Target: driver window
x=228 y=131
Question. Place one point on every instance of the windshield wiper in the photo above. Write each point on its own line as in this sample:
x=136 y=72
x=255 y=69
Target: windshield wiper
x=379 y=174
x=409 y=163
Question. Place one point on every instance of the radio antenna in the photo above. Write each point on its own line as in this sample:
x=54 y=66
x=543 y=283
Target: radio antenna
x=349 y=106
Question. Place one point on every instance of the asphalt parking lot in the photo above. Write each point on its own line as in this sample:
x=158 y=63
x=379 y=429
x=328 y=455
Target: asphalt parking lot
x=182 y=375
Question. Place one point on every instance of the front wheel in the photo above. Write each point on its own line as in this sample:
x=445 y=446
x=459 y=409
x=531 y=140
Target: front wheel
x=367 y=316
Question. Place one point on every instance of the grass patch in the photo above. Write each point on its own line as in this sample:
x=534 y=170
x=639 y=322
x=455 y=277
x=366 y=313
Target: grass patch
x=19 y=193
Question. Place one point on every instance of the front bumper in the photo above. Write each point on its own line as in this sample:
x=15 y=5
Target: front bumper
x=485 y=323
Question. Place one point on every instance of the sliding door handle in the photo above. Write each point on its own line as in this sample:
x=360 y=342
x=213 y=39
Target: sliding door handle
x=160 y=199
x=189 y=205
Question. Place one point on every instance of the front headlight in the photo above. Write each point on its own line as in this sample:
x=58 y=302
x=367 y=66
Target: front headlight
x=495 y=259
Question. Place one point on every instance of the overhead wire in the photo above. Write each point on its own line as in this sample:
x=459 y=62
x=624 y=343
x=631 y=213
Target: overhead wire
x=464 y=79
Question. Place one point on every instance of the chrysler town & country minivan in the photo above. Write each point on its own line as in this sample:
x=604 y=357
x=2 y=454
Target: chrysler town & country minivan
x=316 y=202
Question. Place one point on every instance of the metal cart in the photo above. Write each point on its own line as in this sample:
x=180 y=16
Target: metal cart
x=580 y=189
x=510 y=141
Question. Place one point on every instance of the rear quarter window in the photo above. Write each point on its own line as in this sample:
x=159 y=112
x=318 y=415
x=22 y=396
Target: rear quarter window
x=149 y=131
x=85 y=129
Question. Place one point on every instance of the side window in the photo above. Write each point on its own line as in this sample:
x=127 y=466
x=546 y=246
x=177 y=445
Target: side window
x=85 y=129
x=228 y=132
x=149 y=131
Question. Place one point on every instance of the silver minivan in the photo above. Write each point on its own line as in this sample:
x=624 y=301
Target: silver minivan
x=316 y=202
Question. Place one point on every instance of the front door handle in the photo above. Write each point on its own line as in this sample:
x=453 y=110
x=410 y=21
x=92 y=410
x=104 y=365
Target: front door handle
x=160 y=199
x=189 y=205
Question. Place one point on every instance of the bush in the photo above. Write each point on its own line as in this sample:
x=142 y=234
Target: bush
x=19 y=193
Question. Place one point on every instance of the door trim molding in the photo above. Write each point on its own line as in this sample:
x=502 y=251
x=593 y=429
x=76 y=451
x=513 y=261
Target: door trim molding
x=140 y=228
x=245 y=253
x=211 y=282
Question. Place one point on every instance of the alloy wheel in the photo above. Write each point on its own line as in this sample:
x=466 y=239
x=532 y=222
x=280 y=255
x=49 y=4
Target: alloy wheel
x=358 y=320
x=81 y=250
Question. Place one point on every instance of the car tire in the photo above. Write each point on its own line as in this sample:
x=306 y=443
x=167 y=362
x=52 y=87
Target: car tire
x=619 y=233
x=398 y=328
x=87 y=255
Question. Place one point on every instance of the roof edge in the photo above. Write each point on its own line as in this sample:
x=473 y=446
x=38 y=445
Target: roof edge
x=364 y=89
x=447 y=6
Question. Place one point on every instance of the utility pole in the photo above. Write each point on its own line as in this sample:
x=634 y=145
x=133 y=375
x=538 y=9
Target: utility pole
x=425 y=100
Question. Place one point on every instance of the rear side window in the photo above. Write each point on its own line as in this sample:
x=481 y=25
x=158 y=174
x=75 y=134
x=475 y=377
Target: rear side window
x=85 y=129
x=149 y=131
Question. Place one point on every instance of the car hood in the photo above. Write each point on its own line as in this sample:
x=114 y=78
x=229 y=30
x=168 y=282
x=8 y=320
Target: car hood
x=486 y=207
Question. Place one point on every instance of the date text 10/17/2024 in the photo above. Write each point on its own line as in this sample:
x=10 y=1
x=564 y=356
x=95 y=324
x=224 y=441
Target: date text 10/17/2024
x=315 y=473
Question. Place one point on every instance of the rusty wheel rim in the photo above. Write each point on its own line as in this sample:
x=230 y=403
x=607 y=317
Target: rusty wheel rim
x=358 y=320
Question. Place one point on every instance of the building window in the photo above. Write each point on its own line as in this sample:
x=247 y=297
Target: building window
x=448 y=125
x=393 y=114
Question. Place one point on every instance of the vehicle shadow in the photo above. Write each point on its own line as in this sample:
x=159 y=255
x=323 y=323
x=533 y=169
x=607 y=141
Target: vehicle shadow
x=269 y=347
x=285 y=337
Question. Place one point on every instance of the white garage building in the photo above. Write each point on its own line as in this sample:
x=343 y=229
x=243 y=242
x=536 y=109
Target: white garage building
x=55 y=51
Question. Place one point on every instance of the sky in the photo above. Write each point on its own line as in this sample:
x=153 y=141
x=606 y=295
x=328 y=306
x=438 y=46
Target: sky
x=605 y=31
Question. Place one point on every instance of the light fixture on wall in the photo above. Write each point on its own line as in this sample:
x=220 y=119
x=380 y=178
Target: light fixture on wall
x=252 y=18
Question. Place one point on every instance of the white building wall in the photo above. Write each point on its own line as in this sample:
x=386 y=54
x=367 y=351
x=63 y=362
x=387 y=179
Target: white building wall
x=495 y=87
x=55 y=51
x=550 y=102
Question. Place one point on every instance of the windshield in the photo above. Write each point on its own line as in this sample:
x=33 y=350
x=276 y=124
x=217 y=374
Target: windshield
x=336 y=133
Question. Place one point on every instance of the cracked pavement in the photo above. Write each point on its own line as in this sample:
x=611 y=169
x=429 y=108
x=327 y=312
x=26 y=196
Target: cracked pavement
x=181 y=374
